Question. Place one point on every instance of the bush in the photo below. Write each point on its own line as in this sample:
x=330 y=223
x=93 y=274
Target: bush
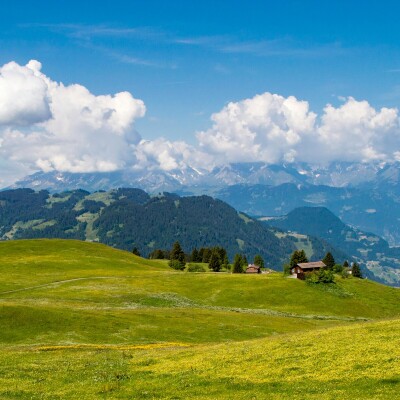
x=176 y=264
x=324 y=275
x=338 y=268
x=195 y=268
x=345 y=273
x=312 y=277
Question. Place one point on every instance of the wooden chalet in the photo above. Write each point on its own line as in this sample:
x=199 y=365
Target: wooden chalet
x=253 y=269
x=299 y=270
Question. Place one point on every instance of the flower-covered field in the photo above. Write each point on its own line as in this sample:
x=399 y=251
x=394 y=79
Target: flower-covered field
x=83 y=321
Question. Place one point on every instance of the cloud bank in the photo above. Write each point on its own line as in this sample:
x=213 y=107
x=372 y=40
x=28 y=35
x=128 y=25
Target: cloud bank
x=272 y=128
x=46 y=125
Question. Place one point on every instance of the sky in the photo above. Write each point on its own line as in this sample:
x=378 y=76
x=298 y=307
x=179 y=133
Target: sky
x=98 y=85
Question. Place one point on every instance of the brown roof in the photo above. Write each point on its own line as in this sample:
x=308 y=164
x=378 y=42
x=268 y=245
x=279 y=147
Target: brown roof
x=311 y=265
x=252 y=267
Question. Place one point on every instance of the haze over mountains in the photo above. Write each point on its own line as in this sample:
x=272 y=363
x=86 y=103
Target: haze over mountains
x=365 y=195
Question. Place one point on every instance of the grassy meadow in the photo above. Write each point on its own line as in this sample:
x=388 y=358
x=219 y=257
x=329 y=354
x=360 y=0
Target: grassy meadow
x=82 y=320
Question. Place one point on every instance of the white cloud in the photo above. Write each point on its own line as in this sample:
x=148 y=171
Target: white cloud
x=67 y=127
x=272 y=128
x=267 y=128
x=45 y=125
x=355 y=131
x=23 y=94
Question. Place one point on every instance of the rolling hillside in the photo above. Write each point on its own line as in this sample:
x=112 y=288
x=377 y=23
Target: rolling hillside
x=369 y=249
x=127 y=218
x=82 y=320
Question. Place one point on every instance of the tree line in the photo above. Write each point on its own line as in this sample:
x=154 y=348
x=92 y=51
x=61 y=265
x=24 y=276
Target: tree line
x=216 y=257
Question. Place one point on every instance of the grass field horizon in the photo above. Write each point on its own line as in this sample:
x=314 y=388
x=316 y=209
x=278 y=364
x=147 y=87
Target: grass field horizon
x=83 y=320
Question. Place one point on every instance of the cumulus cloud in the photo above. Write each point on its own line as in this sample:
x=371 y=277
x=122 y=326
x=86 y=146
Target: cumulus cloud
x=267 y=128
x=46 y=125
x=65 y=127
x=272 y=128
x=356 y=131
x=23 y=94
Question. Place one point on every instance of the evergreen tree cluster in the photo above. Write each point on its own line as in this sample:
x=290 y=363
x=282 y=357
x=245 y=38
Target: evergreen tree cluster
x=239 y=264
x=298 y=256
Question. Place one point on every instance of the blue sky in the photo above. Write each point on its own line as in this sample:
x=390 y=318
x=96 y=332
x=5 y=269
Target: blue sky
x=173 y=85
x=186 y=60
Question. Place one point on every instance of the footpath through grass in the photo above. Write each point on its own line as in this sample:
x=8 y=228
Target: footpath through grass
x=82 y=320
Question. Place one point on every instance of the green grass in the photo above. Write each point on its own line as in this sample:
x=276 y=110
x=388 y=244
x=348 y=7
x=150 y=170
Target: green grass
x=83 y=320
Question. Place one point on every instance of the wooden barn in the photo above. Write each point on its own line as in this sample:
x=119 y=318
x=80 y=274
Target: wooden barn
x=253 y=269
x=299 y=270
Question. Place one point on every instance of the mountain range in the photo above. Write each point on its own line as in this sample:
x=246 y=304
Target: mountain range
x=364 y=195
x=338 y=174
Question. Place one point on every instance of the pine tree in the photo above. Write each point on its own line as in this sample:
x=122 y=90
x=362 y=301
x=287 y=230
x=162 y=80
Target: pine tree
x=259 y=261
x=238 y=264
x=135 y=251
x=215 y=261
x=346 y=265
x=328 y=260
x=177 y=257
x=356 y=270
x=194 y=257
x=206 y=255
x=298 y=256
x=157 y=254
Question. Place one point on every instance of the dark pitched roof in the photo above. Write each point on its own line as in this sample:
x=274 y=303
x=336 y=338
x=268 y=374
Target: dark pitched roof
x=311 y=265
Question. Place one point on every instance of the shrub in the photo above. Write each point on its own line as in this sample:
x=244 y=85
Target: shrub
x=196 y=268
x=176 y=264
x=345 y=273
x=324 y=275
x=312 y=277
x=337 y=268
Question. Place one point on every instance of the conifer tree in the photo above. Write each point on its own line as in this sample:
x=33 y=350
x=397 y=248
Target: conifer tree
x=194 y=257
x=215 y=261
x=135 y=251
x=238 y=264
x=206 y=255
x=259 y=261
x=298 y=256
x=328 y=260
x=356 y=270
x=177 y=257
x=346 y=264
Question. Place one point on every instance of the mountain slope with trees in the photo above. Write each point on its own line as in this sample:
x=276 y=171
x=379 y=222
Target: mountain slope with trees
x=130 y=218
x=369 y=249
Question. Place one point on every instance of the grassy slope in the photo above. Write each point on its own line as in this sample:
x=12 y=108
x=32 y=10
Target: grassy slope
x=89 y=294
x=352 y=362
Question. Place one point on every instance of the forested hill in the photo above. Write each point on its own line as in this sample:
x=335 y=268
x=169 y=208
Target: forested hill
x=127 y=218
x=369 y=249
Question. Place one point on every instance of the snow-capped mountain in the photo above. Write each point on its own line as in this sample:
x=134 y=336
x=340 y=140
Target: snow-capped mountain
x=363 y=195
x=339 y=174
